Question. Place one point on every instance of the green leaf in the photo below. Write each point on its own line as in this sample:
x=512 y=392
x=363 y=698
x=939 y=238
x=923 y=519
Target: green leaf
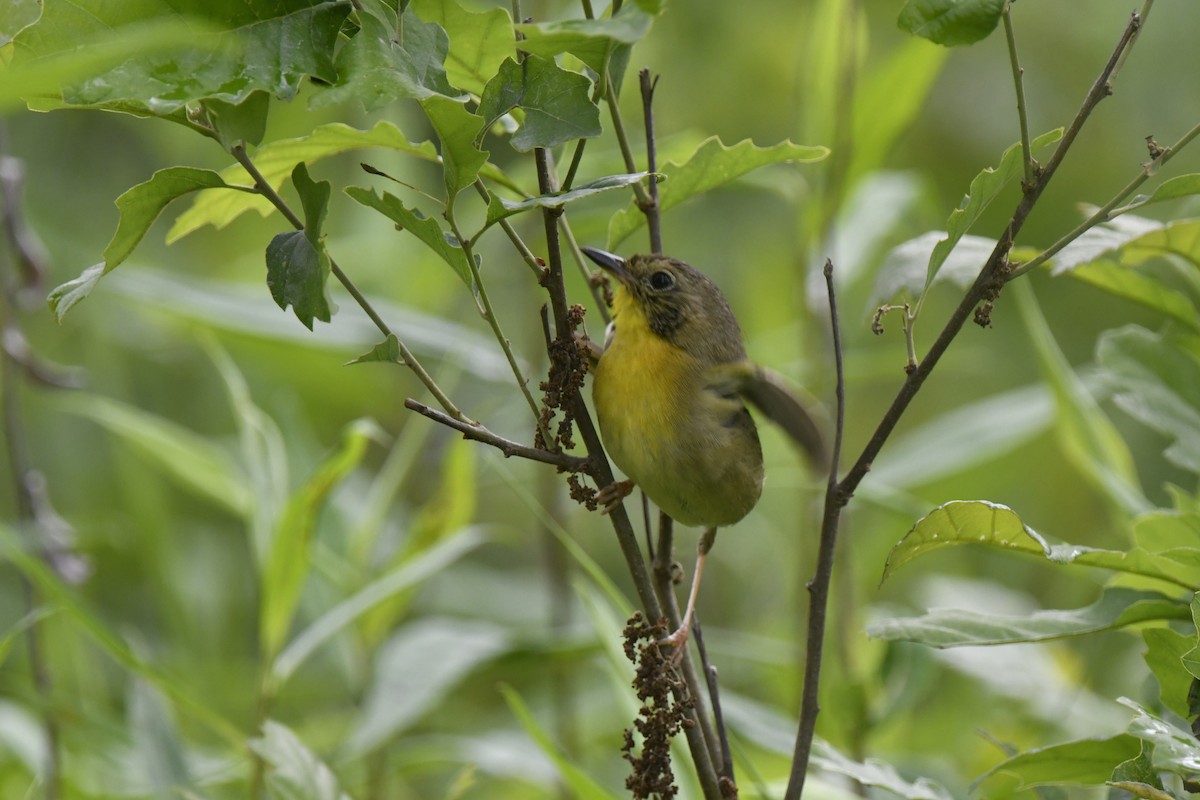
x=424 y=228
x=277 y=160
x=1122 y=281
x=265 y=48
x=906 y=267
x=985 y=187
x=1175 y=750
x=595 y=42
x=156 y=742
x=1116 y=608
x=499 y=208
x=479 y=41
x=579 y=783
x=713 y=164
x=287 y=560
x=1164 y=656
x=297 y=262
x=244 y=122
x=1143 y=790
x=874 y=772
x=414 y=670
x=1173 y=189
x=993 y=525
x=1084 y=762
x=385 y=60
x=1157 y=383
x=1089 y=438
x=457 y=130
x=388 y=350
x=951 y=22
x=192 y=461
x=294 y=773
x=15 y=15
x=1138 y=770
x=139 y=207
x=416 y=569
x=556 y=102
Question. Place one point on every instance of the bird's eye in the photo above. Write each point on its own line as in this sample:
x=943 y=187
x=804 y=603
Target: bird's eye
x=662 y=280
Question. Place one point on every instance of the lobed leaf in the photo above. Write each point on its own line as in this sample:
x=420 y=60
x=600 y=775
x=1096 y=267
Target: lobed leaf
x=951 y=22
x=424 y=228
x=713 y=164
x=1116 y=608
x=294 y=773
x=1164 y=654
x=595 y=42
x=287 y=562
x=1174 y=749
x=389 y=59
x=244 y=122
x=264 y=48
x=499 y=208
x=556 y=103
x=277 y=160
x=457 y=130
x=479 y=41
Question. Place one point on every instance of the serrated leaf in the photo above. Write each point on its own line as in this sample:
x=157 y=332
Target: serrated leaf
x=1175 y=750
x=411 y=572
x=414 y=669
x=456 y=129
x=1085 y=762
x=387 y=60
x=479 y=41
x=985 y=187
x=1090 y=439
x=980 y=522
x=294 y=772
x=276 y=161
x=139 y=208
x=1158 y=384
x=268 y=49
x=499 y=208
x=1164 y=654
x=297 y=262
x=192 y=461
x=713 y=164
x=1116 y=608
x=951 y=22
x=424 y=228
x=595 y=42
x=557 y=103
x=579 y=782
x=287 y=559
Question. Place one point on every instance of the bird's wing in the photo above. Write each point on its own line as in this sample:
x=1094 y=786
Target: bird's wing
x=767 y=391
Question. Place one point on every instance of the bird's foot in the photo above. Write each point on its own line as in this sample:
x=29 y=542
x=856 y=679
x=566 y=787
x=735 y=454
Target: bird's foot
x=611 y=496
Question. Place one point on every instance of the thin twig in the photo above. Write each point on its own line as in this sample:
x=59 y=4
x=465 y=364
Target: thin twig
x=266 y=190
x=526 y=254
x=614 y=110
x=838 y=493
x=1019 y=83
x=714 y=696
x=651 y=209
x=506 y=446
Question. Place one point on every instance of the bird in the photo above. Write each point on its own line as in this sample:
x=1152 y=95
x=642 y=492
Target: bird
x=671 y=390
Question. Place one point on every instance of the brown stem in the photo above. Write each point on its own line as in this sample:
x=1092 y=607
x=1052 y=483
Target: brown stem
x=651 y=209
x=510 y=448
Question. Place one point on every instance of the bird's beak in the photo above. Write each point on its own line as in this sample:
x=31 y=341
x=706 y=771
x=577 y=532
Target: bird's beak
x=610 y=263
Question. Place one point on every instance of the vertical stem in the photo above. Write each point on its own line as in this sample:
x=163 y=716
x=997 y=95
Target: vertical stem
x=1019 y=83
x=651 y=209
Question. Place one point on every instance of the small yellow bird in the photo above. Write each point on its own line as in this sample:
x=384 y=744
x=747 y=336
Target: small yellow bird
x=670 y=391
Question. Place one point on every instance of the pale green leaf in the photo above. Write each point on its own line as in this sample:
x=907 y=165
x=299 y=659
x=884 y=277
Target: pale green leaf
x=1164 y=654
x=1116 y=608
x=595 y=42
x=713 y=164
x=479 y=41
x=1172 y=189
x=420 y=567
x=276 y=161
x=293 y=771
x=499 y=208
x=456 y=129
x=1175 y=750
x=1084 y=762
x=288 y=562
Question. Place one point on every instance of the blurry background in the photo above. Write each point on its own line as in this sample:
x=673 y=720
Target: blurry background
x=172 y=570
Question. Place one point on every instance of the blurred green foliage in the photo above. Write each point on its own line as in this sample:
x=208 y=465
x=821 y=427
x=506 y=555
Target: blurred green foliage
x=286 y=567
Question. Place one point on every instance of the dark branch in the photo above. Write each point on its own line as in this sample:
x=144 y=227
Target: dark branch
x=507 y=446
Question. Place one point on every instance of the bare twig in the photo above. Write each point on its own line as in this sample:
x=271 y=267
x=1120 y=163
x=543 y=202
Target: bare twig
x=506 y=446
x=651 y=209
x=1019 y=83
x=838 y=493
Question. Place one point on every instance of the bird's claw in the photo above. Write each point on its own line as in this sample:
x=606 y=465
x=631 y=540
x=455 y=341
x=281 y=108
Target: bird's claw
x=611 y=496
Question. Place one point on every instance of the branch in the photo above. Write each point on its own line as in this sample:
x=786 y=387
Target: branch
x=266 y=190
x=510 y=448
x=1018 y=73
x=985 y=288
x=651 y=208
